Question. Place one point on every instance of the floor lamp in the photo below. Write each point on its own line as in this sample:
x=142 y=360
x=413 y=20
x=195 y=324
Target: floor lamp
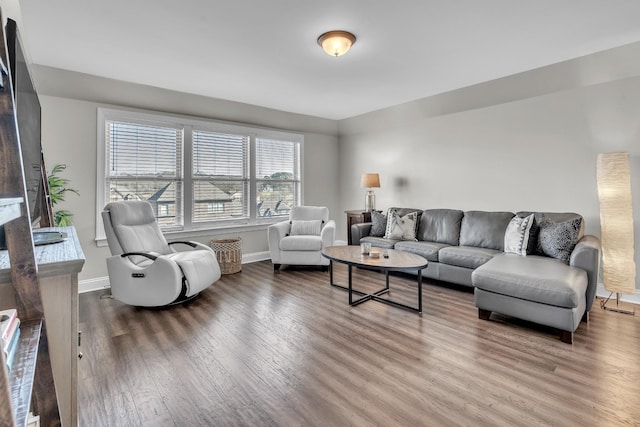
x=616 y=220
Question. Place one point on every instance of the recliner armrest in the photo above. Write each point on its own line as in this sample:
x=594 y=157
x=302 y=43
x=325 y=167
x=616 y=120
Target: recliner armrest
x=586 y=255
x=191 y=243
x=358 y=231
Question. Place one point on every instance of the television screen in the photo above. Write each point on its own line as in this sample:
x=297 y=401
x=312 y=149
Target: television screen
x=28 y=117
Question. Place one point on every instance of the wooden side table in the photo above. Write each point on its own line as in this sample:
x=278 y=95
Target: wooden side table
x=356 y=217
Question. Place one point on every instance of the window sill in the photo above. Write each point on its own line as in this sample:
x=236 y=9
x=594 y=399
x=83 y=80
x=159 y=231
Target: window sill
x=202 y=232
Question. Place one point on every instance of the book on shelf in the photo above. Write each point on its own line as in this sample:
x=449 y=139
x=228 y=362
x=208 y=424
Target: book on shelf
x=13 y=348
x=11 y=330
x=6 y=318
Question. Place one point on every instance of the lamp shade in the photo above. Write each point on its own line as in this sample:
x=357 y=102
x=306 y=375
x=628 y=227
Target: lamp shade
x=616 y=221
x=336 y=43
x=370 y=180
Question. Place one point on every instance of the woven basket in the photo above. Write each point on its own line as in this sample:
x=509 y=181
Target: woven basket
x=229 y=254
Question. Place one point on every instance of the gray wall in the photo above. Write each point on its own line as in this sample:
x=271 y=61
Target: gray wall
x=527 y=142
x=69 y=135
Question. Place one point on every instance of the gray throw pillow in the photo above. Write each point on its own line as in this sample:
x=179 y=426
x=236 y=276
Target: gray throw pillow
x=378 y=224
x=517 y=236
x=557 y=239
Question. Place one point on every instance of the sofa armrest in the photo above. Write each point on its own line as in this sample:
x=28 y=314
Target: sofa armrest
x=275 y=233
x=586 y=255
x=358 y=231
x=328 y=233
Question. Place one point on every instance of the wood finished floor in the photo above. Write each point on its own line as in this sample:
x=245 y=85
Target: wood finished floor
x=262 y=349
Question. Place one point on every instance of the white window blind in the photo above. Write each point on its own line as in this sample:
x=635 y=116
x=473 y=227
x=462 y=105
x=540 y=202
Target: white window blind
x=145 y=163
x=220 y=176
x=277 y=176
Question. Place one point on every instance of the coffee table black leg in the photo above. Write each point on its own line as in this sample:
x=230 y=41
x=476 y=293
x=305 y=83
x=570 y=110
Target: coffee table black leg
x=331 y=272
x=350 y=286
x=420 y=291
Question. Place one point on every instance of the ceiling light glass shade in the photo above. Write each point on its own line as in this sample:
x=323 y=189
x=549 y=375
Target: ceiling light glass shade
x=616 y=221
x=336 y=43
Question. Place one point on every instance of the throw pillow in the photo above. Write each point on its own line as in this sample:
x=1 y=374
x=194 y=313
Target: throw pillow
x=557 y=239
x=401 y=228
x=517 y=236
x=301 y=228
x=378 y=224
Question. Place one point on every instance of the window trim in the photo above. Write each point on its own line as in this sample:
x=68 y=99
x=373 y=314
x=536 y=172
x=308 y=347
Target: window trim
x=188 y=124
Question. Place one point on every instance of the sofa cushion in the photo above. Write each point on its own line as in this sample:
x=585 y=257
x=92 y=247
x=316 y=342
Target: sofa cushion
x=440 y=225
x=378 y=224
x=466 y=256
x=379 y=242
x=428 y=250
x=401 y=227
x=532 y=278
x=518 y=238
x=484 y=229
x=301 y=243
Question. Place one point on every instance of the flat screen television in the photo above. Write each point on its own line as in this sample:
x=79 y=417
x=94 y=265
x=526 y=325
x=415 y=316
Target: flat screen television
x=29 y=121
x=28 y=116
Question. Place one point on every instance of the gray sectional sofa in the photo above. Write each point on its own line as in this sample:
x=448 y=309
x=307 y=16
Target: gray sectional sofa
x=553 y=284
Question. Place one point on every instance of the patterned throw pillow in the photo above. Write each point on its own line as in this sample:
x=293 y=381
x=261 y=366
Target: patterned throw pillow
x=302 y=228
x=378 y=224
x=517 y=237
x=557 y=239
x=401 y=228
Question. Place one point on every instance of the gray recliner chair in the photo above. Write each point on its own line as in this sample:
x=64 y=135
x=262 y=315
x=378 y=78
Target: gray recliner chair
x=145 y=270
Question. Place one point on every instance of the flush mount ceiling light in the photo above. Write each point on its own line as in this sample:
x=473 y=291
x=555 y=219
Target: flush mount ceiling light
x=336 y=43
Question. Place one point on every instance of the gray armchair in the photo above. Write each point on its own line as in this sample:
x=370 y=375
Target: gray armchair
x=145 y=270
x=300 y=239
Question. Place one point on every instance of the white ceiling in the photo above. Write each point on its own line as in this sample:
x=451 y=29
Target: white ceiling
x=264 y=52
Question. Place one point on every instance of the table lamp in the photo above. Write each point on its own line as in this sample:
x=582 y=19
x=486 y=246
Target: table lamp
x=370 y=180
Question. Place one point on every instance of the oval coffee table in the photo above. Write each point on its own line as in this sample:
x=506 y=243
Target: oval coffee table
x=397 y=261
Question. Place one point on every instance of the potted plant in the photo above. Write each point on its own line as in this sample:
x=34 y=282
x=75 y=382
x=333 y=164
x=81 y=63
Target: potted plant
x=57 y=190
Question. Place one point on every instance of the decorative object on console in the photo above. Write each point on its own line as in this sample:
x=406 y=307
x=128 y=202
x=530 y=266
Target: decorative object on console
x=616 y=221
x=57 y=192
x=337 y=42
x=370 y=180
x=517 y=238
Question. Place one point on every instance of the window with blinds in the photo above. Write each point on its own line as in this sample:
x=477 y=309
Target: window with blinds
x=197 y=174
x=220 y=176
x=277 y=176
x=145 y=163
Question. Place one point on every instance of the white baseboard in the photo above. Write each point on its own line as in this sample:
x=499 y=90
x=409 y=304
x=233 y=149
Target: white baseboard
x=630 y=298
x=99 y=283
x=95 y=284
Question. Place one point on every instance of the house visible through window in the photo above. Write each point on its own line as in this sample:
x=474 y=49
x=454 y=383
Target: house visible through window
x=198 y=174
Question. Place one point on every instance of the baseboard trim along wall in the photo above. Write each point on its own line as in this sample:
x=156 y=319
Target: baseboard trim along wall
x=99 y=283
x=601 y=292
